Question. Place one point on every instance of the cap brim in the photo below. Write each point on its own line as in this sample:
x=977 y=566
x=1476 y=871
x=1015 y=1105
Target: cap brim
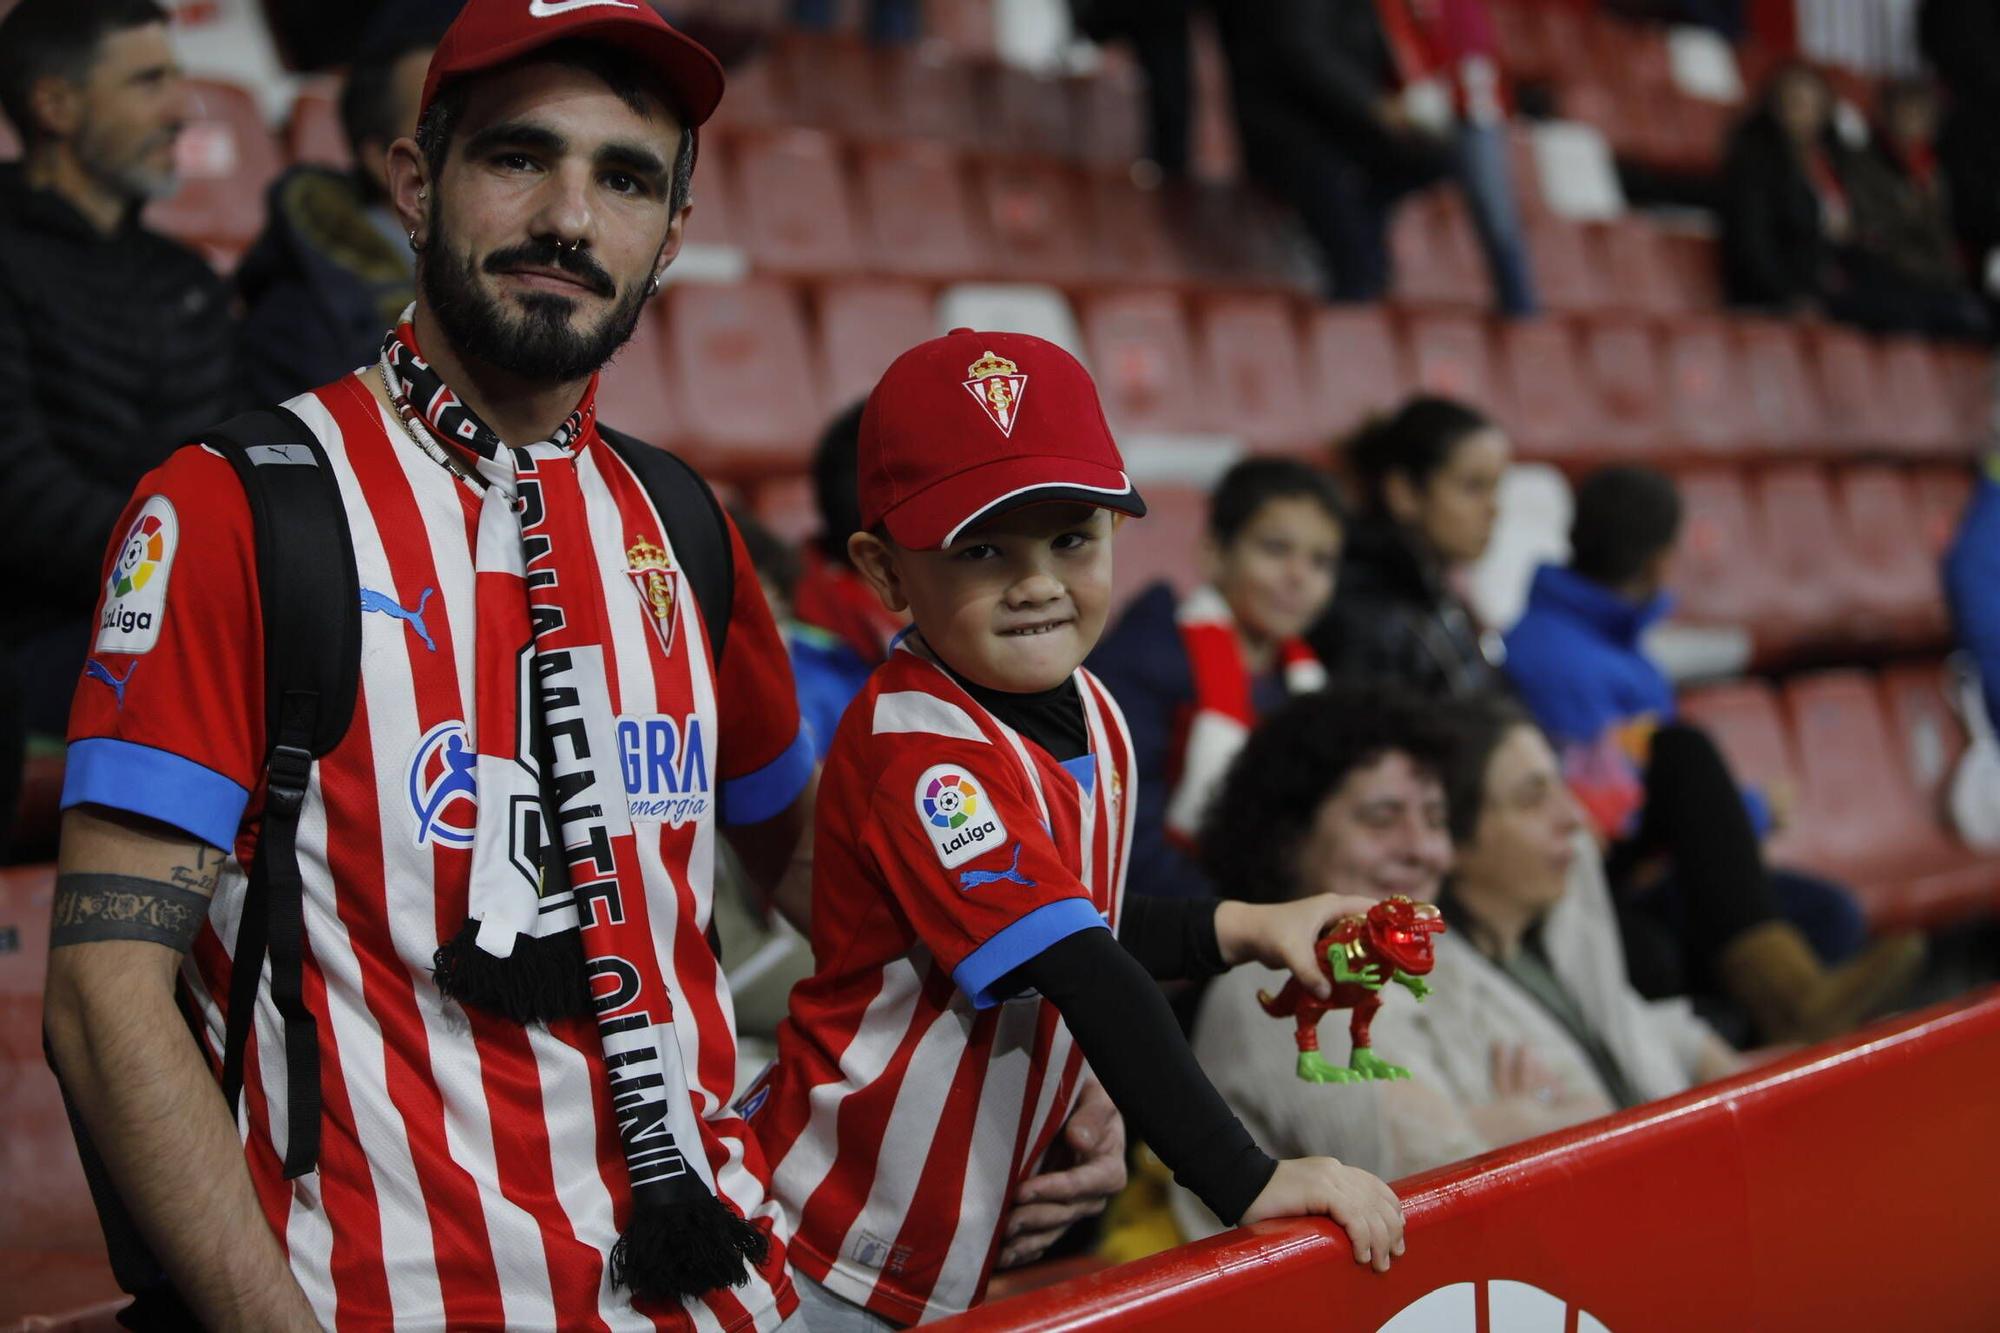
x=937 y=516
x=690 y=69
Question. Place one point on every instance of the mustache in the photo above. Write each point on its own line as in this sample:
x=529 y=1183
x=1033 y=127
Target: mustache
x=547 y=254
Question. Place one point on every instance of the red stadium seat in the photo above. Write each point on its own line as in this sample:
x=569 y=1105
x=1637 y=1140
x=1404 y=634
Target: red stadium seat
x=792 y=205
x=227 y=159
x=1354 y=368
x=1695 y=261
x=1130 y=238
x=1895 y=577
x=1033 y=220
x=1449 y=355
x=1718 y=575
x=1553 y=410
x=313 y=132
x=1143 y=361
x=633 y=393
x=749 y=396
x=1968 y=382
x=1710 y=410
x=1941 y=496
x=927 y=94
x=1924 y=722
x=1781 y=393
x=863 y=326
x=1850 y=384
x=1162 y=546
x=832 y=82
x=1110 y=113
x=1635 y=268
x=915 y=213
x=1025 y=114
x=1250 y=356
x=1565 y=265
x=1815 y=594
x=1918 y=400
x=1623 y=364
x=1435 y=259
x=713 y=222
x=1747 y=723
x=757 y=100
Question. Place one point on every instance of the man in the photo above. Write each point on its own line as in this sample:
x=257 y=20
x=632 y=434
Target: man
x=115 y=343
x=472 y=1168
x=332 y=269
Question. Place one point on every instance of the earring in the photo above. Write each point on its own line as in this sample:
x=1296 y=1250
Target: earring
x=653 y=285
x=414 y=247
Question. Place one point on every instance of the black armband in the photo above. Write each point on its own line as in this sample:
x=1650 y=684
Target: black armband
x=1173 y=938
x=93 y=908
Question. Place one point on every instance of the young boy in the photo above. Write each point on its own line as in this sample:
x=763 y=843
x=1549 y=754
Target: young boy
x=974 y=820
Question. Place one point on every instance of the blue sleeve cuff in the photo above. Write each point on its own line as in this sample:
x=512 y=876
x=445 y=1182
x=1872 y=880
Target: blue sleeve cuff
x=158 y=784
x=1758 y=808
x=1015 y=945
x=756 y=797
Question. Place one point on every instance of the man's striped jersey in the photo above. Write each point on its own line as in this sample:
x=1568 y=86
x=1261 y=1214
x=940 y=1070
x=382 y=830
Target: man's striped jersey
x=470 y=1173
x=909 y=1100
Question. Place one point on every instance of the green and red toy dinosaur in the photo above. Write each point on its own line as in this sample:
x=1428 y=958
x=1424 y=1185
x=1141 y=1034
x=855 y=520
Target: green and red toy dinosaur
x=1359 y=955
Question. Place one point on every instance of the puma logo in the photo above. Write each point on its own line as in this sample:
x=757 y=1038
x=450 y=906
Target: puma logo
x=96 y=670
x=548 y=9
x=972 y=879
x=389 y=606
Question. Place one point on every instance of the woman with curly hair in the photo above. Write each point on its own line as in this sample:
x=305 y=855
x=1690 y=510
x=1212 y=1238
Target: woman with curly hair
x=1530 y=1024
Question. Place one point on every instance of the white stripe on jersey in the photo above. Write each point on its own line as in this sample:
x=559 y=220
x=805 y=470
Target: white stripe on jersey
x=915 y=711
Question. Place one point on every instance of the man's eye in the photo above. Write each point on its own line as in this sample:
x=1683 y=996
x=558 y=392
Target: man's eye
x=619 y=183
x=514 y=162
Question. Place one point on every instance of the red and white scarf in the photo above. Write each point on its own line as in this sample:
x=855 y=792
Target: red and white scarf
x=556 y=935
x=1223 y=715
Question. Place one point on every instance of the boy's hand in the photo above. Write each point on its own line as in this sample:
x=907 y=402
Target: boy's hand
x=1322 y=1187
x=1284 y=934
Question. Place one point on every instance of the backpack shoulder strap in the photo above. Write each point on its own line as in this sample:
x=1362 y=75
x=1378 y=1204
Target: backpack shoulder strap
x=311 y=611
x=695 y=523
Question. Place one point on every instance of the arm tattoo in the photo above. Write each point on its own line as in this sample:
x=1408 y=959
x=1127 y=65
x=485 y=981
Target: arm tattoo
x=89 y=908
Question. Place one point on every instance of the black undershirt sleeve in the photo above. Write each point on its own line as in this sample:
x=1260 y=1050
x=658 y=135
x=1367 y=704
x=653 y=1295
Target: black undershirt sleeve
x=1173 y=938
x=1127 y=1032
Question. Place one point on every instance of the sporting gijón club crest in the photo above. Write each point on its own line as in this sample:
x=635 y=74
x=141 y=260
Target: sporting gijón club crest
x=998 y=386
x=652 y=572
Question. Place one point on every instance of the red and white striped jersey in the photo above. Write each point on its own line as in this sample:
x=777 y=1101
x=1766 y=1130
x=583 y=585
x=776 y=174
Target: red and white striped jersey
x=907 y=1103
x=470 y=1173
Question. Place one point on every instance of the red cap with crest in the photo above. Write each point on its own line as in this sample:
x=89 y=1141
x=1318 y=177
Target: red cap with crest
x=970 y=425
x=490 y=33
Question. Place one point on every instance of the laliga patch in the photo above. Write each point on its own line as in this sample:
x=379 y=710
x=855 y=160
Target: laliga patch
x=958 y=816
x=135 y=596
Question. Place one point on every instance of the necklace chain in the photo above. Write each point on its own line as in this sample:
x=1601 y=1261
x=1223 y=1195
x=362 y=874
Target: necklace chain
x=421 y=435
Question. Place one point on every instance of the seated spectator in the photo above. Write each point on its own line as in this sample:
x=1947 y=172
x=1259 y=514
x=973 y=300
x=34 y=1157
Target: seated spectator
x=1530 y=1025
x=1194 y=674
x=826 y=672
x=1714 y=916
x=1972 y=590
x=1961 y=42
x=1428 y=478
x=116 y=343
x=1345 y=106
x=333 y=267
x=1162 y=44
x=830 y=595
x=1792 y=239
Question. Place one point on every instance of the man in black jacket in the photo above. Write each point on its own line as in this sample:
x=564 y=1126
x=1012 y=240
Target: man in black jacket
x=115 y=343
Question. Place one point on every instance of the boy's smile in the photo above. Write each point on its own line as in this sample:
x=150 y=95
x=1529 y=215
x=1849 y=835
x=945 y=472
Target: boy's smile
x=1015 y=604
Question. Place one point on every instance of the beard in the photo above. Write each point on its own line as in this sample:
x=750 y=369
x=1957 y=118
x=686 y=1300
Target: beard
x=129 y=173
x=536 y=344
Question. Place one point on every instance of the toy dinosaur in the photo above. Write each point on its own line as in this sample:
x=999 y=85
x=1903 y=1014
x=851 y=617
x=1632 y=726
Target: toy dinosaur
x=1360 y=955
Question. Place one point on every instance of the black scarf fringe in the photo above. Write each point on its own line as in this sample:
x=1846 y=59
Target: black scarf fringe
x=686 y=1247
x=544 y=979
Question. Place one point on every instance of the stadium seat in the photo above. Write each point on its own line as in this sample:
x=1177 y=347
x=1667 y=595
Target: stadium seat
x=1634 y=265
x=1022 y=307
x=1235 y=236
x=791 y=203
x=1435 y=259
x=1893 y=574
x=748 y=391
x=1746 y=722
x=1781 y=393
x=1924 y=722
x=863 y=326
x=713 y=225
x=1354 y=368
x=632 y=393
x=756 y=100
x=1694 y=260
x=1565 y=265
x=927 y=94
x=1143 y=360
x=1941 y=496
x=1251 y=373
x=312 y=131
x=1025 y=114
x=1711 y=412
x=1816 y=597
x=1109 y=110
x=1850 y=384
x=1919 y=402
x=1718 y=575
x=1552 y=410
x=1527 y=41
x=1033 y=220
x=227 y=159
x=831 y=81
x=966 y=26
x=915 y=213
x=1449 y=355
x=1130 y=236
x=1622 y=361
x=1162 y=545
x=787 y=507
x=1968 y=377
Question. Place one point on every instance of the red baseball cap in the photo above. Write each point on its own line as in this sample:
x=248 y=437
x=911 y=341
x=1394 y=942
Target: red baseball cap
x=970 y=425
x=490 y=33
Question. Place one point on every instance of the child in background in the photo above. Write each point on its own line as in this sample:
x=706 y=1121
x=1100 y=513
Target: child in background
x=974 y=820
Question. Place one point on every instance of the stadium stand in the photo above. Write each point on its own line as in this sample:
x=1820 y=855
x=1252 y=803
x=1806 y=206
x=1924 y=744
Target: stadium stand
x=1249 y=350
x=1354 y=368
x=863 y=326
x=794 y=215
x=1139 y=345
x=227 y=159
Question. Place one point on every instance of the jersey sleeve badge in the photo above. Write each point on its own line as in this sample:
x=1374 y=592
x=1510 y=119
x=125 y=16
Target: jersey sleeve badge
x=958 y=814
x=135 y=594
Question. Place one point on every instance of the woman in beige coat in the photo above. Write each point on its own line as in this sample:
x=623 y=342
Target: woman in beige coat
x=1531 y=1024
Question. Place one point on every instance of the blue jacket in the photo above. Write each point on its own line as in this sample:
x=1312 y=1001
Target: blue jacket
x=827 y=674
x=1972 y=585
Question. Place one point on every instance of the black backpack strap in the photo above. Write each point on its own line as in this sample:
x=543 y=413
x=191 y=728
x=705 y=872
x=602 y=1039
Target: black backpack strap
x=694 y=522
x=311 y=604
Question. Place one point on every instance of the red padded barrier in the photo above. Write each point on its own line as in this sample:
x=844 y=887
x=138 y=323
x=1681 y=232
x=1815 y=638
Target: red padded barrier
x=1848 y=1187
